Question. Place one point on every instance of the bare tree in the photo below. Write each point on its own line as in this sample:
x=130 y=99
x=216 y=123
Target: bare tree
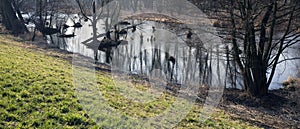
x=10 y=19
x=94 y=12
x=258 y=32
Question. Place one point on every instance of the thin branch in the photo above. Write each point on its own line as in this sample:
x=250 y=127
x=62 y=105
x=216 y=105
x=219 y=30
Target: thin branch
x=295 y=58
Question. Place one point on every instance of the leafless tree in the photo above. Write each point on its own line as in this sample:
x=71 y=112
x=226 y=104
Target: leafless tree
x=258 y=32
x=10 y=20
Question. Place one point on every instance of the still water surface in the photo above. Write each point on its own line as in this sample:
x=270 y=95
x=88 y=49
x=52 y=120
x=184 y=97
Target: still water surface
x=155 y=49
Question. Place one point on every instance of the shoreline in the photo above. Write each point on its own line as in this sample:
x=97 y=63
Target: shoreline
x=279 y=106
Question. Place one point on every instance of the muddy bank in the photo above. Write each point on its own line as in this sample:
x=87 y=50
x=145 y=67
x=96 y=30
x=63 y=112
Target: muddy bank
x=279 y=109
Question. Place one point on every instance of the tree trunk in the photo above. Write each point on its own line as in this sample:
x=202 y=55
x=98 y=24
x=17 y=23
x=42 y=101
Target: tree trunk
x=18 y=11
x=256 y=85
x=259 y=34
x=10 y=20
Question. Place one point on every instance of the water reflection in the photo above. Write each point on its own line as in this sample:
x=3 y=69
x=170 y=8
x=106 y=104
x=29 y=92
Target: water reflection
x=147 y=48
x=155 y=49
x=162 y=53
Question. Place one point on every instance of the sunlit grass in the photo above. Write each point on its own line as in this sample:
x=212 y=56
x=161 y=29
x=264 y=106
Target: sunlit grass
x=37 y=91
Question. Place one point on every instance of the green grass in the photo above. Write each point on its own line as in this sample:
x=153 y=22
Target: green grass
x=37 y=91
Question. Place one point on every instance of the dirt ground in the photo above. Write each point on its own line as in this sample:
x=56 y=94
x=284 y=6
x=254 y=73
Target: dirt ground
x=279 y=109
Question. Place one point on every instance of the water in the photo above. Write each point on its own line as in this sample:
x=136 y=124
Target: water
x=160 y=49
x=166 y=54
x=289 y=68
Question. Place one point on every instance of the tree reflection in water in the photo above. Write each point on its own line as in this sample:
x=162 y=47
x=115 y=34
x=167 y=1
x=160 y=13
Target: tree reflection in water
x=176 y=59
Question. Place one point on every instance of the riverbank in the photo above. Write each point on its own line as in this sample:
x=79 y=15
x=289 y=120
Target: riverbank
x=279 y=109
x=37 y=91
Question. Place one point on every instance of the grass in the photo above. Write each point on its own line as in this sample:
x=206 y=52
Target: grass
x=38 y=91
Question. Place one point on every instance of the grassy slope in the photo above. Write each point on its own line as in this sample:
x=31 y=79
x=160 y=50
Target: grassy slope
x=37 y=90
